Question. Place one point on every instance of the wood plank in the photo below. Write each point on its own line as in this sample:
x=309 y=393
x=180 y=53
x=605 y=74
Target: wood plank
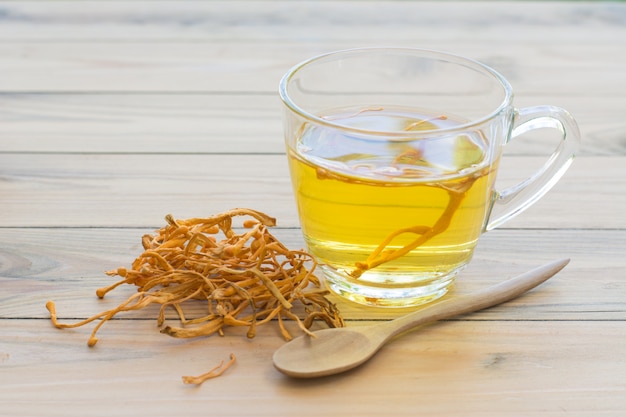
x=168 y=49
x=136 y=123
x=95 y=190
x=67 y=265
x=226 y=123
x=487 y=368
x=313 y=21
x=249 y=67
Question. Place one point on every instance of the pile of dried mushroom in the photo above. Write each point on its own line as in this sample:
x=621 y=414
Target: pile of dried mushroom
x=245 y=279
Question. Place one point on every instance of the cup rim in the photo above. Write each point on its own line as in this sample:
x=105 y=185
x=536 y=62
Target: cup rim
x=431 y=53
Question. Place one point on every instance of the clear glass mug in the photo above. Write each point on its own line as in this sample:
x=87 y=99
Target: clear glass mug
x=393 y=155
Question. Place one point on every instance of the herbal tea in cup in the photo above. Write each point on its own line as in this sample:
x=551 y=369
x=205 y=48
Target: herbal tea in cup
x=393 y=156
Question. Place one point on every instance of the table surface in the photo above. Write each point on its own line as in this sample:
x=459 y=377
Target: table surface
x=114 y=114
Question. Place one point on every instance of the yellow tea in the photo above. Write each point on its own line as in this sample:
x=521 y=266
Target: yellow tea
x=391 y=215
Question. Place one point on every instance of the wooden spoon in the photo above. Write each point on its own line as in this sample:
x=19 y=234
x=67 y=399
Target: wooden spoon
x=336 y=350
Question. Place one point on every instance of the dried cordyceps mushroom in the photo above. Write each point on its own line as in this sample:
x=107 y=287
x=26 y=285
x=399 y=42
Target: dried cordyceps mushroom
x=423 y=234
x=245 y=279
x=213 y=373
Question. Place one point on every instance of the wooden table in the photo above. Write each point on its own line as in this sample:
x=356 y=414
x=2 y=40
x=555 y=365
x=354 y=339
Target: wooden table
x=114 y=114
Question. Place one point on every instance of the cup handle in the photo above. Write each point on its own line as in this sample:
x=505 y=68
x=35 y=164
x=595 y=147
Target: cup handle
x=513 y=200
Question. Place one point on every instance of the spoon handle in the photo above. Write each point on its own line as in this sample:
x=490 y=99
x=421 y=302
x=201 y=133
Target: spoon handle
x=479 y=300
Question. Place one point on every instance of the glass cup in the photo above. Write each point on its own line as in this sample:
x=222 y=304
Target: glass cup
x=393 y=156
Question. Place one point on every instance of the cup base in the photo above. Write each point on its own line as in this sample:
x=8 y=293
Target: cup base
x=424 y=290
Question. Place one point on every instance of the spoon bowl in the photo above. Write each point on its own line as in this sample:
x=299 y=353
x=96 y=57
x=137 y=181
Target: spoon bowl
x=331 y=351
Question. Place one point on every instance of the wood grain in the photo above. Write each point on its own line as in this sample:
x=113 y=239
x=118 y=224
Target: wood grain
x=232 y=123
x=67 y=265
x=484 y=366
x=248 y=67
x=309 y=21
x=251 y=44
x=139 y=190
